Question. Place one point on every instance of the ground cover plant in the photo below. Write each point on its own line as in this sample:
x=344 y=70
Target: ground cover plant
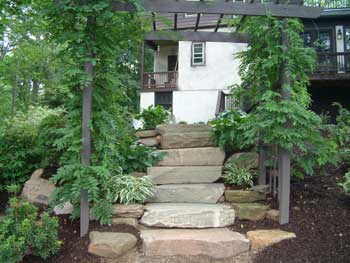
x=153 y=116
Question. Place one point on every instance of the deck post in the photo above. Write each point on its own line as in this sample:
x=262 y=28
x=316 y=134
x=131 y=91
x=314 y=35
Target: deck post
x=262 y=167
x=142 y=62
x=284 y=154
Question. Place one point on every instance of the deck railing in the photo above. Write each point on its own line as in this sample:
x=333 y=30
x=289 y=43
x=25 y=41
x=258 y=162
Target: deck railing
x=159 y=81
x=335 y=63
x=328 y=4
x=224 y=102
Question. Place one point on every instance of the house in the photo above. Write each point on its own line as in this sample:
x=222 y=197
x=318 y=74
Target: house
x=192 y=77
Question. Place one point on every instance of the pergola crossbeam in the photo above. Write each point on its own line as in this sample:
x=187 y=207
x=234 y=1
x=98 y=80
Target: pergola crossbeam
x=222 y=7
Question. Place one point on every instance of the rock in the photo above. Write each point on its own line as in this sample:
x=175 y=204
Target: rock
x=273 y=214
x=215 y=243
x=65 y=209
x=37 y=174
x=241 y=196
x=186 y=140
x=182 y=128
x=187 y=193
x=246 y=159
x=132 y=210
x=38 y=191
x=260 y=239
x=125 y=221
x=264 y=188
x=188 y=215
x=110 y=245
x=184 y=174
x=209 y=156
x=250 y=211
x=138 y=174
x=150 y=142
x=146 y=133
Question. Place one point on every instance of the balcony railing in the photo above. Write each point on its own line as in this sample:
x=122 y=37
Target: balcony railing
x=333 y=63
x=159 y=81
x=225 y=102
x=328 y=4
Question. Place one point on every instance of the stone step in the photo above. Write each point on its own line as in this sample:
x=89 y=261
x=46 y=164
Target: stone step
x=186 y=140
x=184 y=174
x=182 y=128
x=208 y=156
x=187 y=193
x=215 y=243
x=182 y=215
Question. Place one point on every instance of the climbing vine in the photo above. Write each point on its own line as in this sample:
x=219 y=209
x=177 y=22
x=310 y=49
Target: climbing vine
x=260 y=72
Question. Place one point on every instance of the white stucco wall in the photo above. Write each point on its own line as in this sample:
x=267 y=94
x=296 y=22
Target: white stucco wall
x=146 y=99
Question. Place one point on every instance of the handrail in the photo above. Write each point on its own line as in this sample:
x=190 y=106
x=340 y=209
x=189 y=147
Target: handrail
x=159 y=81
x=328 y=4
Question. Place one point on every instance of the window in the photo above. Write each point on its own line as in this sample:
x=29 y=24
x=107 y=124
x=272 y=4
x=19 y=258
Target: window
x=164 y=99
x=198 y=54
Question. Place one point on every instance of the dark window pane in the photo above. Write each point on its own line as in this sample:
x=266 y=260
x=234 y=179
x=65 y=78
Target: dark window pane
x=164 y=99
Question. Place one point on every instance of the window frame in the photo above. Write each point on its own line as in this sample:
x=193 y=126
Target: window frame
x=193 y=63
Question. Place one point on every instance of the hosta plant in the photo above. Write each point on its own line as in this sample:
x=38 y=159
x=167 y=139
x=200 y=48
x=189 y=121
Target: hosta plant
x=240 y=176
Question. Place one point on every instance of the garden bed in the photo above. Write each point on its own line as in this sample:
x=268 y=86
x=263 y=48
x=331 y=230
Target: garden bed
x=319 y=218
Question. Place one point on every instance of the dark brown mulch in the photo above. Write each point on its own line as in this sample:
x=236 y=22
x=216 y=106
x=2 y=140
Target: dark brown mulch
x=320 y=218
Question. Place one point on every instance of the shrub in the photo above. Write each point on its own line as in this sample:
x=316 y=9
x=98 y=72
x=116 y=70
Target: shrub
x=129 y=189
x=153 y=116
x=20 y=150
x=241 y=176
x=226 y=130
x=22 y=232
x=346 y=183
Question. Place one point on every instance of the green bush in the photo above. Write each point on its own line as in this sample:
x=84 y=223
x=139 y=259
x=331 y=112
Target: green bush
x=346 y=183
x=24 y=143
x=22 y=232
x=153 y=116
x=226 y=130
x=129 y=189
x=241 y=176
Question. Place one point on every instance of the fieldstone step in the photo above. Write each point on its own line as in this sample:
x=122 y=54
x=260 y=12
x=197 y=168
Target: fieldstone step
x=250 y=211
x=261 y=239
x=184 y=174
x=242 y=196
x=208 y=156
x=186 y=140
x=187 y=193
x=180 y=215
x=215 y=243
x=182 y=128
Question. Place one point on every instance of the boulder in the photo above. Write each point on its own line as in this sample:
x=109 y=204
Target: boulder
x=261 y=239
x=215 y=243
x=250 y=211
x=245 y=159
x=187 y=193
x=146 y=133
x=209 y=156
x=110 y=245
x=37 y=174
x=184 y=174
x=186 y=140
x=64 y=209
x=241 y=196
x=150 y=142
x=132 y=210
x=138 y=174
x=264 y=188
x=125 y=221
x=182 y=128
x=38 y=190
x=273 y=214
x=188 y=215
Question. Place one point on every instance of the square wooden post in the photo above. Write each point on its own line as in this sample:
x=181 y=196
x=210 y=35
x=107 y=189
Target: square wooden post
x=262 y=167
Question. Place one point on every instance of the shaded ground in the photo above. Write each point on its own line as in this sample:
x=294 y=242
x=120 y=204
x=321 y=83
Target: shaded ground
x=320 y=217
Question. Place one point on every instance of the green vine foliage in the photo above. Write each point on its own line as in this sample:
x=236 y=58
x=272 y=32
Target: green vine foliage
x=271 y=114
x=153 y=116
x=90 y=31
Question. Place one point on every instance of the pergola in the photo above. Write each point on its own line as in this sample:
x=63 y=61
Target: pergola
x=217 y=9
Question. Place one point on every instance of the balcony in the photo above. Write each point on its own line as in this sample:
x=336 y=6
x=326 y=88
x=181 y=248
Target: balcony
x=332 y=66
x=328 y=4
x=159 y=81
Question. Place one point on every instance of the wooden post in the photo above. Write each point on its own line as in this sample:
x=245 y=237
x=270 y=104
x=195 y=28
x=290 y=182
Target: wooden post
x=86 y=137
x=284 y=154
x=262 y=167
x=142 y=62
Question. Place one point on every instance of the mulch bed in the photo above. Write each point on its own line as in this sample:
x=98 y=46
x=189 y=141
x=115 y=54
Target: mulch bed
x=320 y=217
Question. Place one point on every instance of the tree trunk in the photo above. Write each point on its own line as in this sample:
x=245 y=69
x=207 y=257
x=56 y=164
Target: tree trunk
x=35 y=91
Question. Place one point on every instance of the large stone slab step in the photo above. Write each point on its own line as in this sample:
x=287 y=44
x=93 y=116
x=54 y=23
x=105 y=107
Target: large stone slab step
x=186 y=140
x=184 y=174
x=215 y=243
x=187 y=193
x=182 y=128
x=188 y=215
x=207 y=156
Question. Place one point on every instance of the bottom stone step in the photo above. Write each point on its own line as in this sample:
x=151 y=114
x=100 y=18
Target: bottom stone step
x=181 y=215
x=216 y=243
